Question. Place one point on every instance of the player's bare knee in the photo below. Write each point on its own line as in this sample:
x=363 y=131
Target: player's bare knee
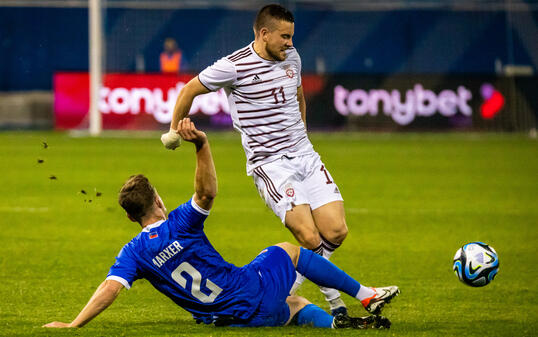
x=336 y=234
x=296 y=303
x=307 y=238
x=311 y=240
x=340 y=233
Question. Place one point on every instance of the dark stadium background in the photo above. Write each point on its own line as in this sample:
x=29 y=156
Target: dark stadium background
x=438 y=37
x=390 y=45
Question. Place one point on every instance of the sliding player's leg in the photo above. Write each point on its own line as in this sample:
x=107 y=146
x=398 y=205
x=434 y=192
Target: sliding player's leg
x=324 y=273
x=302 y=312
x=277 y=272
x=276 y=266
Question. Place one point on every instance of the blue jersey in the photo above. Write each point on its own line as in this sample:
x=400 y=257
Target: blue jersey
x=176 y=257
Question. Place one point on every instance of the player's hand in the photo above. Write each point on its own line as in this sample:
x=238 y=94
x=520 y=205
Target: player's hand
x=171 y=140
x=189 y=133
x=57 y=325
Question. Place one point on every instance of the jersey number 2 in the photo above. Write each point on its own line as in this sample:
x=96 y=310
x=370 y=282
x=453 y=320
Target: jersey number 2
x=196 y=282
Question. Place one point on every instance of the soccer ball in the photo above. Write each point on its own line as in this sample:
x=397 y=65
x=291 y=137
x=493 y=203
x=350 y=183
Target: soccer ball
x=476 y=264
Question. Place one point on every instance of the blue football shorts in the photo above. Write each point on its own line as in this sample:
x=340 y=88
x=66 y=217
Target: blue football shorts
x=278 y=274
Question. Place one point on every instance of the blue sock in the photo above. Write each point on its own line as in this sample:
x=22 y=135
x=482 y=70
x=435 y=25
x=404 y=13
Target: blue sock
x=324 y=273
x=313 y=315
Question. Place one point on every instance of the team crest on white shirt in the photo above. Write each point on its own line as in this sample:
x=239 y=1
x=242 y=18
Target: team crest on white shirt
x=290 y=73
x=290 y=192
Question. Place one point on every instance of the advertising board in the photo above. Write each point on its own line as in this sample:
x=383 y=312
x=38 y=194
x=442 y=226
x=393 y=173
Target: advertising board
x=412 y=102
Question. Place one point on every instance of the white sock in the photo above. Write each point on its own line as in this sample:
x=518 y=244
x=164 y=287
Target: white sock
x=327 y=253
x=330 y=294
x=298 y=281
x=364 y=292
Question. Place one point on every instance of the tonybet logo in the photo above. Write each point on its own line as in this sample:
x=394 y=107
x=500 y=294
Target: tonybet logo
x=155 y=102
x=493 y=101
x=417 y=102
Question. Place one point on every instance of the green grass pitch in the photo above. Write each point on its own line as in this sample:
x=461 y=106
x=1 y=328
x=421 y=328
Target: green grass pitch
x=411 y=201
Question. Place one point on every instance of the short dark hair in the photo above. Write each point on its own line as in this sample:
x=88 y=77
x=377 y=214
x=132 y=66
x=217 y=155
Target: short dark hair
x=269 y=12
x=137 y=196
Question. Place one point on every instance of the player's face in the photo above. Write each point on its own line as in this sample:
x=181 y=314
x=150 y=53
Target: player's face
x=278 y=40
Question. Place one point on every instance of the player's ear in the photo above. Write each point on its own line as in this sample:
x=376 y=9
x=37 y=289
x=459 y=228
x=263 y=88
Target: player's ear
x=264 y=33
x=159 y=203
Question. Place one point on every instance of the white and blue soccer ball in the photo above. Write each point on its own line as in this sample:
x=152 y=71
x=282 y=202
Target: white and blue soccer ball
x=476 y=264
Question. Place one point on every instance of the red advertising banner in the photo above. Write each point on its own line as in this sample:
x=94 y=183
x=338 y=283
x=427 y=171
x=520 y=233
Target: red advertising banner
x=131 y=101
x=141 y=101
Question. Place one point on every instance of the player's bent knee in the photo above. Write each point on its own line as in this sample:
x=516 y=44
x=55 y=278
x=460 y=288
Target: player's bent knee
x=307 y=238
x=296 y=304
x=311 y=241
x=336 y=234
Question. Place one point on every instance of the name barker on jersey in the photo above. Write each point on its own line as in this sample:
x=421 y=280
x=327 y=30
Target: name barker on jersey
x=167 y=253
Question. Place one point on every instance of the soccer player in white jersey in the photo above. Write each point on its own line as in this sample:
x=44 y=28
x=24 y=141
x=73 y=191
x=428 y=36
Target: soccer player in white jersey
x=263 y=84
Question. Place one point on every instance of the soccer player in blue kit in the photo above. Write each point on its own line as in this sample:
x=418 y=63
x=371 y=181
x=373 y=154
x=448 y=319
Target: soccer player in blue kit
x=173 y=253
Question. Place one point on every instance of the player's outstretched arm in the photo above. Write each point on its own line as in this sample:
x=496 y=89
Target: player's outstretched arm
x=205 y=180
x=183 y=105
x=105 y=294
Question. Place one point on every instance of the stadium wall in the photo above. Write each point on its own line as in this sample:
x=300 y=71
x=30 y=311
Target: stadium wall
x=36 y=42
x=26 y=110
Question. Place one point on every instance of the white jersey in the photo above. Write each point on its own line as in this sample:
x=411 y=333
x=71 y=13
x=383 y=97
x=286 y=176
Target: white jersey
x=263 y=103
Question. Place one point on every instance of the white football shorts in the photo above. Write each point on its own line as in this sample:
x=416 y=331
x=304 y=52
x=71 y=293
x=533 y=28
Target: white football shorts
x=290 y=181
